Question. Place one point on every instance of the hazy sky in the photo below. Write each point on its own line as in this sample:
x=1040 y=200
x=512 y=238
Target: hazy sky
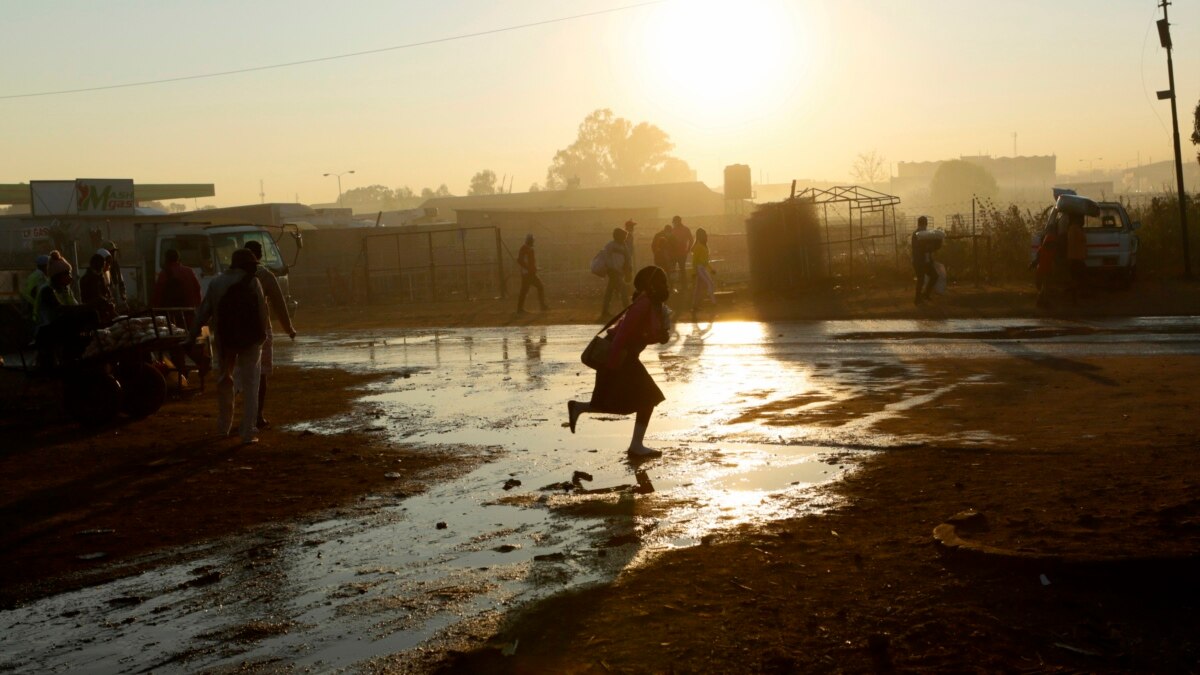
x=794 y=88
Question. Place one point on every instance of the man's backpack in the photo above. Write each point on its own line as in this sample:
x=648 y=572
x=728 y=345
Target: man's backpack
x=239 y=324
x=174 y=294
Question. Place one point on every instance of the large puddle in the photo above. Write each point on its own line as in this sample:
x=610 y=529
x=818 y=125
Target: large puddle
x=756 y=416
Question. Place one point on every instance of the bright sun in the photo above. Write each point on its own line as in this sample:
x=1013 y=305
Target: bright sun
x=720 y=63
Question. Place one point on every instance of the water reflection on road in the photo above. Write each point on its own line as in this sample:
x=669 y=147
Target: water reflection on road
x=756 y=415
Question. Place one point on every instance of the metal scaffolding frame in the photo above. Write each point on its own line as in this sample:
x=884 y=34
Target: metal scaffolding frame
x=859 y=200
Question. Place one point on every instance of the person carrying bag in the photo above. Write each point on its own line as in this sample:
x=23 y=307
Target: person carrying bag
x=623 y=386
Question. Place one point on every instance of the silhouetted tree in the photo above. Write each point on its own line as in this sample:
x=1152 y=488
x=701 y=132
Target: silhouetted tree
x=1196 y=130
x=958 y=180
x=869 y=168
x=430 y=193
x=369 y=198
x=611 y=150
x=535 y=188
x=483 y=183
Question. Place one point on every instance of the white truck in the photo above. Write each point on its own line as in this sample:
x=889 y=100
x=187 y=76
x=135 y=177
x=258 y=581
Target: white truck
x=208 y=249
x=142 y=243
x=1112 y=242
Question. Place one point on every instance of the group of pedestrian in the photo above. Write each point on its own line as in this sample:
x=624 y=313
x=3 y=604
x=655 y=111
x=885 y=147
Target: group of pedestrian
x=670 y=248
x=237 y=308
x=59 y=319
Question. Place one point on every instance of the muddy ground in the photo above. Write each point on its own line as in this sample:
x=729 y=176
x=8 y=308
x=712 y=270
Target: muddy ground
x=1088 y=488
x=80 y=506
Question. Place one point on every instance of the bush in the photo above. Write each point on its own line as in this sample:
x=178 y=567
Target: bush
x=1160 y=237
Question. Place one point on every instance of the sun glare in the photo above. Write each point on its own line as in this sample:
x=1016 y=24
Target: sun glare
x=717 y=63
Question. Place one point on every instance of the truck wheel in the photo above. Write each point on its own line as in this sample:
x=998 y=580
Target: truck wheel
x=92 y=398
x=145 y=389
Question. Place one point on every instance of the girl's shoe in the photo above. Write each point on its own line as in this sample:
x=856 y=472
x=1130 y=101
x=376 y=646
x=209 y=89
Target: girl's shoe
x=572 y=414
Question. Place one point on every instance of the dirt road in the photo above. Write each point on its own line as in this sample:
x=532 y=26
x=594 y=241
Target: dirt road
x=1074 y=456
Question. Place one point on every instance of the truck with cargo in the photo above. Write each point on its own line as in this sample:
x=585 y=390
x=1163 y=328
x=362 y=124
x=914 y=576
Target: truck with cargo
x=1112 y=242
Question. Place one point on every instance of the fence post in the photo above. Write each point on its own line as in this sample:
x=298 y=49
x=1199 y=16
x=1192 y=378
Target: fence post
x=432 y=269
x=400 y=267
x=366 y=270
x=462 y=239
x=974 y=242
x=500 y=265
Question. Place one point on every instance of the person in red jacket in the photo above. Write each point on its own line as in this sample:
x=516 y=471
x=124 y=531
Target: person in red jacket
x=176 y=285
x=624 y=386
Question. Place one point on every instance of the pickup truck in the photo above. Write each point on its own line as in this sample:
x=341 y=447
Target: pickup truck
x=1112 y=242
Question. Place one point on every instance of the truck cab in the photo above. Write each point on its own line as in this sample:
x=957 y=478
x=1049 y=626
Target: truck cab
x=1112 y=242
x=208 y=250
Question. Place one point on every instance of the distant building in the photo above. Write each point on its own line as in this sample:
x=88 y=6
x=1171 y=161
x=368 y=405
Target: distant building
x=1017 y=177
x=1159 y=177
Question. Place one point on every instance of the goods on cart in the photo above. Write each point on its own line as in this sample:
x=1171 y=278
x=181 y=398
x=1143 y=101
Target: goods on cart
x=131 y=333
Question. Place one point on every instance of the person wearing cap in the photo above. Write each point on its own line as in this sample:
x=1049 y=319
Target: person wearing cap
x=245 y=361
x=33 y=283
x=682 y=239
x=277 y=306
x=60 y=318
x=116 y=282
x=94 y=291
x=527 y=261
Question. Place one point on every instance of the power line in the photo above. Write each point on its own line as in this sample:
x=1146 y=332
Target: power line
x=289 y=64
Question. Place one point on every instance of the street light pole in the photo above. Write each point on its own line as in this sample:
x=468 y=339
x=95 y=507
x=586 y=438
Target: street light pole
x=339 y=181
x=1164 y=38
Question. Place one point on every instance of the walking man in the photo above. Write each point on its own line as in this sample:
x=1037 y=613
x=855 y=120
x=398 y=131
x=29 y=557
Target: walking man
x=277 y=306
x=922 y=262
x=615 y=255
x=527 y=261
x=236 y=311
x=682 y=237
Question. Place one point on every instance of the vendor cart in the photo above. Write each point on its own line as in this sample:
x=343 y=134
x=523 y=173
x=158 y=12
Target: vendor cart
x=120 y=369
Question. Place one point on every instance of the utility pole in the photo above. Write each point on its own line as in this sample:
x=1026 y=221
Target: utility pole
x=1164 y=38
x=262 y=196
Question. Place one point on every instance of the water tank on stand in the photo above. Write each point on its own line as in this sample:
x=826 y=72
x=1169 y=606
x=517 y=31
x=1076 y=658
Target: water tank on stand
x=737 y=182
